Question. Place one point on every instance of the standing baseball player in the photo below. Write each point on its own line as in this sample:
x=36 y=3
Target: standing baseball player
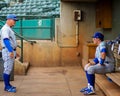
x=9 y=44
x=101 y=64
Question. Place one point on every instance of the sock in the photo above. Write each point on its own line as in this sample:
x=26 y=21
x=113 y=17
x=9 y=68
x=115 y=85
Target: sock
x=9 y=80
x=6 y=79
x=88 y=85
x=91 y=79
x=87 y=79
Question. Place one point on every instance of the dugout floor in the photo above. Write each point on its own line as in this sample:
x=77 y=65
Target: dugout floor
x=50 y=81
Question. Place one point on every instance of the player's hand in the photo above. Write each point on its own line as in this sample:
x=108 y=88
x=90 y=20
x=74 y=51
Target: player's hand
x=11 y=54
x=88 y=65
x=92 y=62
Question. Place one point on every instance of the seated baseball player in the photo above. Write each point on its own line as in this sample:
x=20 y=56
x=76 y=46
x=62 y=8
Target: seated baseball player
x=101 y=64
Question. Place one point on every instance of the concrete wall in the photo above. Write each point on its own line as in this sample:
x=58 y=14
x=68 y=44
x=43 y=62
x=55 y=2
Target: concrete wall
x=47 y=53
x=113 y=32
x=115 y=20
x=67 y=48
x=68 y=25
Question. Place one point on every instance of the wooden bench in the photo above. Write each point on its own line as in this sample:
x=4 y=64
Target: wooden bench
x=115 y=77
x=108 y=87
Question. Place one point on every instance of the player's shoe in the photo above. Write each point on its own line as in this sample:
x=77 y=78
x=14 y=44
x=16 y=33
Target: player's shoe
x=12 y=86
x=89 y=91
x=10 y=89
x=84 y=89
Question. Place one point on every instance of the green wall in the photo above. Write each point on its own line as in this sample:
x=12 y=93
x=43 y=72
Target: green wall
x=35 y=29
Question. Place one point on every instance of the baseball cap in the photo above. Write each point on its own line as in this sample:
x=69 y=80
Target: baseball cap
x=98 y=35
x=12 y=16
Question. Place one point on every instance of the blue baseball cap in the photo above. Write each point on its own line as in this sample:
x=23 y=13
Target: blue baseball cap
x=98 y=35
x=12 y=16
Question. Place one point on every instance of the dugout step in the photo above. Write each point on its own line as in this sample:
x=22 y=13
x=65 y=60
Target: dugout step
x=115 y=77
x=21 y=68
x=107 y=86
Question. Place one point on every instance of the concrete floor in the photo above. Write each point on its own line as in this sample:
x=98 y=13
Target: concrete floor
x=50 y=81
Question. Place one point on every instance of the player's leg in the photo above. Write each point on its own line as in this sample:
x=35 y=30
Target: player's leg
x=91 y=77
x=91 y=88
x=8 y=66
x=88 y=85
x=6 y=76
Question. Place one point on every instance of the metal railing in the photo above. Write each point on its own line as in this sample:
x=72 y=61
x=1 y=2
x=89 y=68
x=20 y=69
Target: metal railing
x=21 y=46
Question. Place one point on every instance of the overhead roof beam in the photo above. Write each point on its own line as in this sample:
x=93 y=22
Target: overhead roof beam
x=80 y=0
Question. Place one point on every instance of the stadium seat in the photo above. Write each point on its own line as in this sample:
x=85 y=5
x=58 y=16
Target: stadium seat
x=43 y=8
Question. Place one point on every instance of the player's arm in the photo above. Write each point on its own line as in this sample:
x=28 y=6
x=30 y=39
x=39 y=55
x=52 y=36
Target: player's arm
x=8 y=46
x=94 y=61
x=103 y=55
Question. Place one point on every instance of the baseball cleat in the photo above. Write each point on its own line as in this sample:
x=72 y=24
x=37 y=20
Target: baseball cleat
x=89 y=92
x=84 y=89
x=10 y=89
